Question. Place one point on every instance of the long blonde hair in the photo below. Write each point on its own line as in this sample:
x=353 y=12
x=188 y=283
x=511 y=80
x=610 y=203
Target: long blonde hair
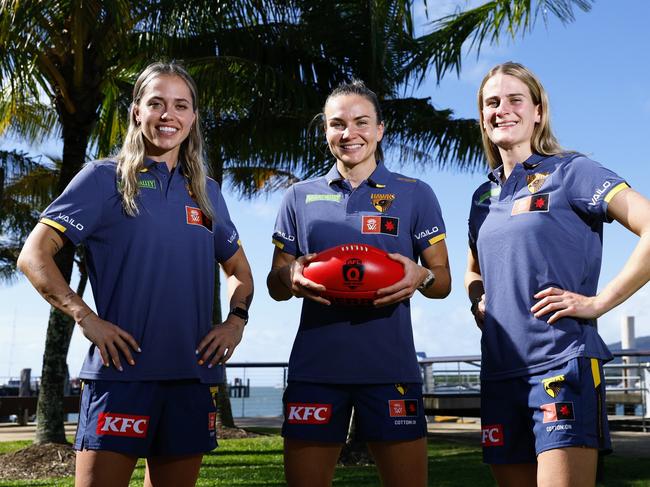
x=543 y=141
x=130 y=159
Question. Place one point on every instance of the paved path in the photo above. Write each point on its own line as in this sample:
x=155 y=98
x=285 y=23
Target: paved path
x=626 y=443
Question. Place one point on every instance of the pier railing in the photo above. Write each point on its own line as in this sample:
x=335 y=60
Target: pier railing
x=451 y=387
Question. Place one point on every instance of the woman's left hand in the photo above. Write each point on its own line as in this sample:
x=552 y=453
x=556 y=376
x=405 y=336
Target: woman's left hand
x=564 y=303
x=219 y=344
x=403 y=289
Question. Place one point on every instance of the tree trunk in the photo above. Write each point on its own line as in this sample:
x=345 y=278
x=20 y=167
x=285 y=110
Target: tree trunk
x=49 y=411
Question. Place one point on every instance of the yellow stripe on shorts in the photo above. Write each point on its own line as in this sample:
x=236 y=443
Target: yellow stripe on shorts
x=595 y=371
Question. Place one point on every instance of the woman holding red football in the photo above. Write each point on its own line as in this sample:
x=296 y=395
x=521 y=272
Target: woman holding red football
x=536 y=231
x=360 y=358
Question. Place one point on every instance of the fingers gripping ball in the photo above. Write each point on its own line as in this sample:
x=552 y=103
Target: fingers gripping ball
x=353 y=273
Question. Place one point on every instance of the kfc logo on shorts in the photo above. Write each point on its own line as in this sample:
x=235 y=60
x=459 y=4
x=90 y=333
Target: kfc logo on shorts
x=402 y=407
x=115 y=424
x=492 y=435
x=212 y=421
x=194 y=216
x=299 y=413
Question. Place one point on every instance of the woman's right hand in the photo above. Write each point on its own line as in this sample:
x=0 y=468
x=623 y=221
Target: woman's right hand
x=302 y=287
x=110 y=340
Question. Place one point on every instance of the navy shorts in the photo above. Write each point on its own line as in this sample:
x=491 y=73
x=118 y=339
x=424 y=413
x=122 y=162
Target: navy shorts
x=562 y=407
x=384 y=412
x=147 y=419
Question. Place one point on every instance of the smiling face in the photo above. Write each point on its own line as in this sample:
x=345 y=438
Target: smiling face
x=352 y=130
x=166 y=114
x=509 y=115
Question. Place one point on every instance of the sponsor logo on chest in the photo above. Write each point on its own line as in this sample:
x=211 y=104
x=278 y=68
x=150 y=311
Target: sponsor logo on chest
x=492 y=435
x=530 y=204
x=194 y=216
x=311 y=198
x=305 y=413
x=386 y=225
x=116 y=424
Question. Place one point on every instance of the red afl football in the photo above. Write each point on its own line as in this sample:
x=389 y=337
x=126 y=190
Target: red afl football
x=352 y=273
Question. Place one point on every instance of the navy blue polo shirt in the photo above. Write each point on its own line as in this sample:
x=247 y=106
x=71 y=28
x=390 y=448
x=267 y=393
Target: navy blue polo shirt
x=389 y=211
x=153 y=274
x=542 y=227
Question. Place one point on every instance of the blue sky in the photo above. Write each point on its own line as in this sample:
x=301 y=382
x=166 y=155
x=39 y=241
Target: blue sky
x=597 y=72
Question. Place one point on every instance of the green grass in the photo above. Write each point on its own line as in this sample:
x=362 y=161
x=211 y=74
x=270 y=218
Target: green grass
x=258 y=462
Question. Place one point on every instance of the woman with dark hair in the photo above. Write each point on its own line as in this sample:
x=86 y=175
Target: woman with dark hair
x=535 y=237
x=153 y=226
x=360 y=358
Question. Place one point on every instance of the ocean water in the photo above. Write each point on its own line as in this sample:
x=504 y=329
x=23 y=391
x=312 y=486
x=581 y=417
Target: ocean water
x=262 y=401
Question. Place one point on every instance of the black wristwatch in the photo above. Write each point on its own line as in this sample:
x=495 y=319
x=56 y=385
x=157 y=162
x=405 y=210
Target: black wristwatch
x=240 y=312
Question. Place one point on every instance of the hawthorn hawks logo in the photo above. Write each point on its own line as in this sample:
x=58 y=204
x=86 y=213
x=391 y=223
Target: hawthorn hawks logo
x=382 y=201
x=536 y=181
x=353 y=272
x=552 y=385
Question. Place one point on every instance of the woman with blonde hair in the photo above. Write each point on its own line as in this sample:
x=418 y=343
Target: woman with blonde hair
x=535 y=237
x=153 y=225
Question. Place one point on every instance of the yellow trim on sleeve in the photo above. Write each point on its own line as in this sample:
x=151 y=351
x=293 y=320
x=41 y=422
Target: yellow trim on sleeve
x=278 y=244
x=595 y=371
x=239 y=242
x=437 y=238
x=53 y=224
x=615 y=190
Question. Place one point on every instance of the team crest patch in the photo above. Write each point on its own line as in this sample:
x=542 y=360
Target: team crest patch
x=531 y=204
x=194 y=216
x=401 y=388
x=552 y=385
x=557 y=411
x=535 y=181
x=380 y=224
x=382 y=201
